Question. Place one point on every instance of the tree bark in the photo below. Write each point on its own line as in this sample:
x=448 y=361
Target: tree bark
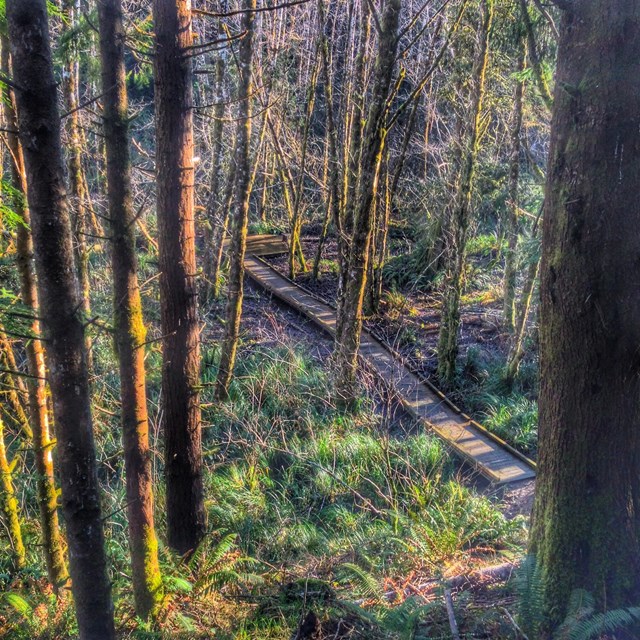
x=186 y=518
x=36 y=383
x=241 y=208
x=130 y=332
x=60 y=303
x=586 y=529
x=460 y=216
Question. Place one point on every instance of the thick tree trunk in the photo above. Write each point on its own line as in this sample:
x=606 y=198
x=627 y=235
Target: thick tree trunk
x=186 y=518
x=129 y=326
x=460 y=216
x=586 y=529
x=350 y=320
x=36 y=383
x=59 y=305
x=240 y=206
x=510 y=273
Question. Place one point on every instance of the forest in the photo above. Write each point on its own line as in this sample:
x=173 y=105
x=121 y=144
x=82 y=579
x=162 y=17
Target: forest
x=319 y=319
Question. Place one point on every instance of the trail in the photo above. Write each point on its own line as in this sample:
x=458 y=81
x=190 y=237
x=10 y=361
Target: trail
x=497 y=461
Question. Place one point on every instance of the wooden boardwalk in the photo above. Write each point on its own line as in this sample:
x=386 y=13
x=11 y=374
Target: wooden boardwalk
x=492 y=457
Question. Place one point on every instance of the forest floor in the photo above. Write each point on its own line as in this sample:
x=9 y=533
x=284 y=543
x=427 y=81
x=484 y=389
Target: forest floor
x=322 y=524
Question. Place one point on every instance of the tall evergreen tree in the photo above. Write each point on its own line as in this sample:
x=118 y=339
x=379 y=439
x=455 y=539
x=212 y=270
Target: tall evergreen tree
x=130 y=332
x=173 y=78
x=586 y=528
x=36 y=382
x=37 y=107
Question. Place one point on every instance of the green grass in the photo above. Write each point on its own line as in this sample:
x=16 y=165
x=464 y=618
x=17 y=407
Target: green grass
x=510 y=412
x=298 y=492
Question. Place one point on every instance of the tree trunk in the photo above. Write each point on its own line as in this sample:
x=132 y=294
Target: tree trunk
x=327 y=212
x=510 y=273
x=130 y=332
x=334 y=198
x=459 y=218
x=240 y=207
x=350 y=320
x=296 y=220
x=215 y=218
x=59 y=304
x=587 y=511
x=36 y=383
x=9 y=507
x=77 y=182
x=186 y=518
x=220 y=229
x=516 y=353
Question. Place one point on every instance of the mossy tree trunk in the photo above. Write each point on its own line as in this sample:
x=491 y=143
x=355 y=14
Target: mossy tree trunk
x=586 y=527
x=36 y=383
x=350 y=312
x=58 y=290
x=173 y=77
x=240 y=207
x=459 y=218
x=130 y=332
x=9 y=507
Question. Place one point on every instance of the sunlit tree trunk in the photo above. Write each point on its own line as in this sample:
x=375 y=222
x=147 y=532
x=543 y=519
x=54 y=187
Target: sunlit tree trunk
x=62 y=325
x=459 y=217
x=186 y=518
x=586 y=526
x=9 y=507
x=240 y=207
x=130 y=332
x=36 y=382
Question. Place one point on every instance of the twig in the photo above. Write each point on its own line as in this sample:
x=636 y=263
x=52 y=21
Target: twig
x=451 y=613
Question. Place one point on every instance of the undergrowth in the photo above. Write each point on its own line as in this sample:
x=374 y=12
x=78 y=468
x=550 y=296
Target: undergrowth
x=510 y=411
x=311 y=510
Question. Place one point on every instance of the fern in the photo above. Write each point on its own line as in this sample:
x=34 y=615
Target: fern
x=530 y=589
x=19 y=604
x=584 y=623
x=224 y=566
x=363 y=581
